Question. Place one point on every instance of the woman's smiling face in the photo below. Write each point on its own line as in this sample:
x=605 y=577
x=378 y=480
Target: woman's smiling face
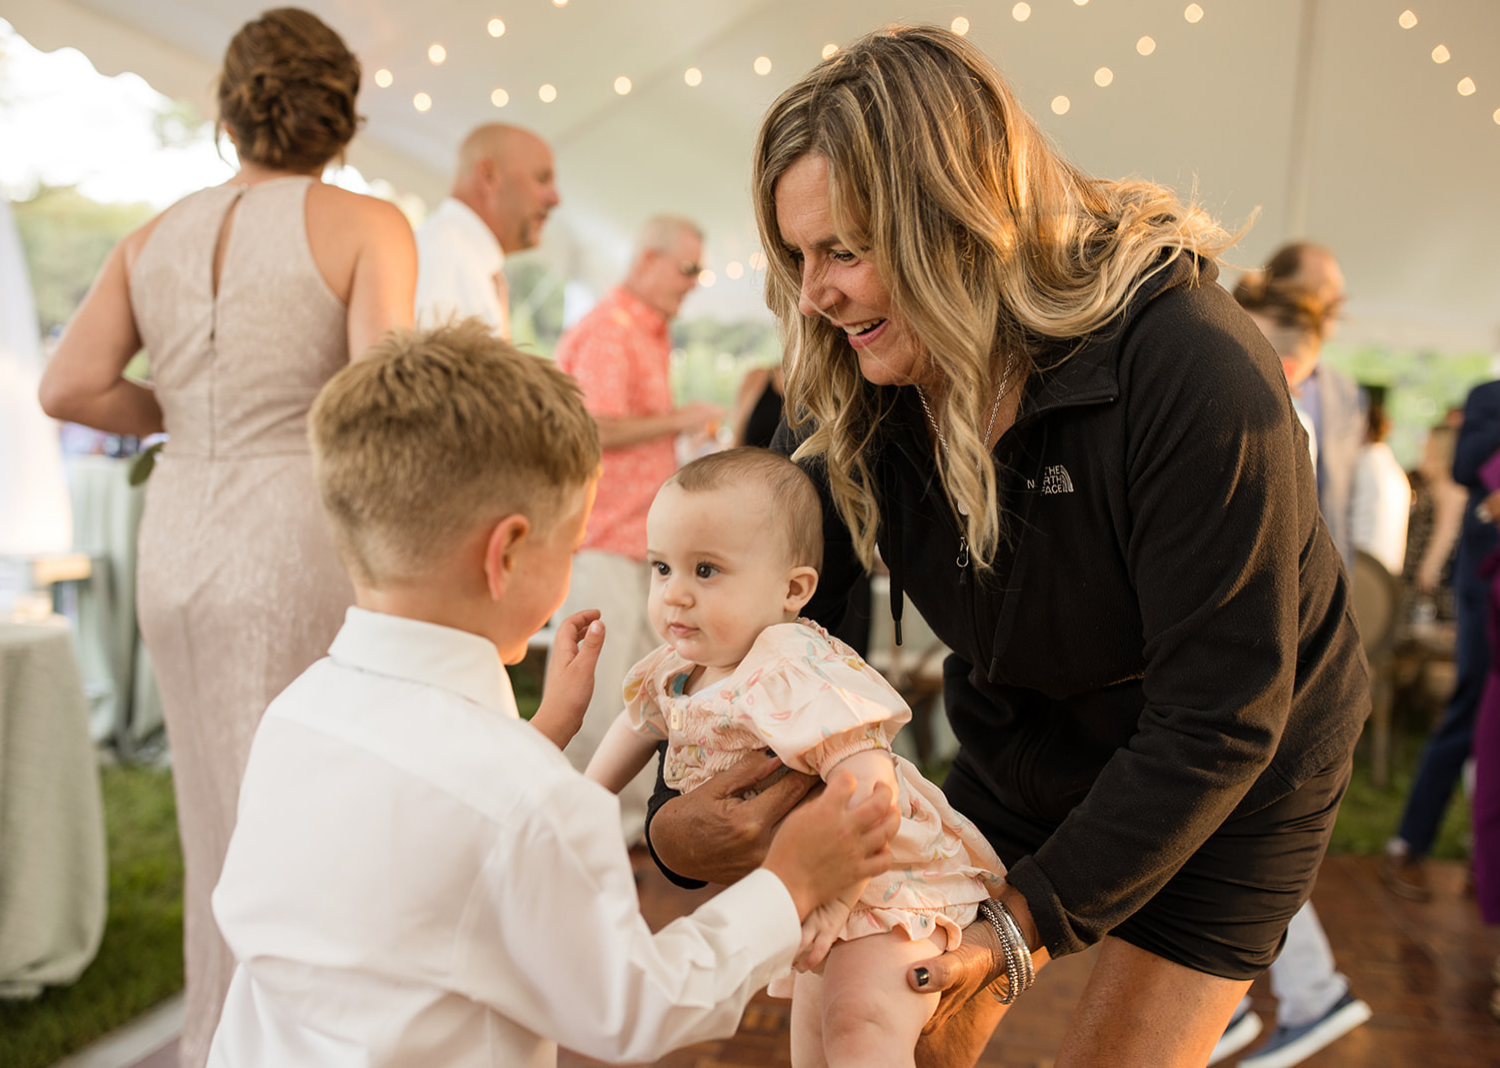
x=839 y=284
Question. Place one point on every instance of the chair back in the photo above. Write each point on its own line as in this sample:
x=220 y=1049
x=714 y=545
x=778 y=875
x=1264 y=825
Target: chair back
x=1377 y=602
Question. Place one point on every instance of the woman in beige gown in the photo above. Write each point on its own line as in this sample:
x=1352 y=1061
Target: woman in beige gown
x=248 y=296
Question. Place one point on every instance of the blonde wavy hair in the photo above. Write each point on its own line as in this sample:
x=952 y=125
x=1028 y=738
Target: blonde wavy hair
x=990 y=244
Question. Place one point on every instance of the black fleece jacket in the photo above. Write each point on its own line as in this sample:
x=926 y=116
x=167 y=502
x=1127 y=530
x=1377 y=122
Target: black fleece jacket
x=1166 y=635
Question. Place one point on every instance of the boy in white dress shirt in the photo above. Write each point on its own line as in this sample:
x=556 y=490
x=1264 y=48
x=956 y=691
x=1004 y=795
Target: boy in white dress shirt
x=418 y=876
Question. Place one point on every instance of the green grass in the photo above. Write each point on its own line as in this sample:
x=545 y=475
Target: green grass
x=140 y=959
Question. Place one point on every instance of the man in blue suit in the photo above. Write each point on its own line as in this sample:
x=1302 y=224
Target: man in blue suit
x=1449 y=744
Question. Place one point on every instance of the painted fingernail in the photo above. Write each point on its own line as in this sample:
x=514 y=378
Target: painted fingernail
x=922 y=976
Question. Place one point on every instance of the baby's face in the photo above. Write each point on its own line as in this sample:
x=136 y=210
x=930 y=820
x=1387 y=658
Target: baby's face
x=720 y=573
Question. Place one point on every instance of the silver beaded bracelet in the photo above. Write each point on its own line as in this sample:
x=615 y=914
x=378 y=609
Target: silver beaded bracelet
x=1020 y=971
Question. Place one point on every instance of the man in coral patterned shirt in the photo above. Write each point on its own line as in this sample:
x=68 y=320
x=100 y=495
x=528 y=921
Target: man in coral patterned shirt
x=618 y=353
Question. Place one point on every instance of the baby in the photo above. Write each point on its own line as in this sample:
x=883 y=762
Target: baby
x=734 y=541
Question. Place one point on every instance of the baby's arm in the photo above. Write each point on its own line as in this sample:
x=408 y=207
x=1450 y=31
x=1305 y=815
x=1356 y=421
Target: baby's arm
x=870 y=767
x=570 y=676
x=621 y=755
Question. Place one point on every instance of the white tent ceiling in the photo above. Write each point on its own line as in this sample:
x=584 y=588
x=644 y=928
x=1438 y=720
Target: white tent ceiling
x=1326 y=115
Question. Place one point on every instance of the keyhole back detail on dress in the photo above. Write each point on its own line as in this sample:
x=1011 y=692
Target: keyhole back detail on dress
x=221 y=249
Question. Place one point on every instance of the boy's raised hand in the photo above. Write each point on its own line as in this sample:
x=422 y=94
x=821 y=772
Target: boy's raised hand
x=569 y=683
x=824 y=846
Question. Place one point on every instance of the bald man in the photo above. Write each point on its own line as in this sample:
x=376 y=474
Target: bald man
x=503 y=191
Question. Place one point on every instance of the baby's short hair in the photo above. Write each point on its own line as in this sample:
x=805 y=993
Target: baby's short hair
x=433 y=433
x=792 y=493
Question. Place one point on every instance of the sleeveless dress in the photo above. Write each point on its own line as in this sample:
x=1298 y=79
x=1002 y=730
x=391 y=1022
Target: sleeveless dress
x=809 y=697
x=239 y=587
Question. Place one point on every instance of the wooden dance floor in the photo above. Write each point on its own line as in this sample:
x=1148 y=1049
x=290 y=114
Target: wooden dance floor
x=1424 y=969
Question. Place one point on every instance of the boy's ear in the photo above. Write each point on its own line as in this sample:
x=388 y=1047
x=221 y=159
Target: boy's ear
x=800 y=585
x=500 y=552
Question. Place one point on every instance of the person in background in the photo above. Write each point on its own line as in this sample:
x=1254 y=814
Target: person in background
x=503 y=191
x=1329 y=401
x=249 y=296
x=619 y=353
x=1449 y=744
x=1437 y=517
x=1382 y=494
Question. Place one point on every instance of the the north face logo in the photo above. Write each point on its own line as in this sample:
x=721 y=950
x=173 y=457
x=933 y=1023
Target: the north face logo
x=1055 y=479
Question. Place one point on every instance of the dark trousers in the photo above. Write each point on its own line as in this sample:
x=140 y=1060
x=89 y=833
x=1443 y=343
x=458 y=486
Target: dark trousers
x=1451 y=741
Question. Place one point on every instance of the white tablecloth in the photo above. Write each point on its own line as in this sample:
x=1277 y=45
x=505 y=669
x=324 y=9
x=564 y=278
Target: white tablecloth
x=116 y=669
x=53 y=867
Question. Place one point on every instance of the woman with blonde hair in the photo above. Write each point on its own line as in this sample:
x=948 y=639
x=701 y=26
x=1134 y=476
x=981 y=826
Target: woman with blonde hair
x=1079 y=459
x=248 y=297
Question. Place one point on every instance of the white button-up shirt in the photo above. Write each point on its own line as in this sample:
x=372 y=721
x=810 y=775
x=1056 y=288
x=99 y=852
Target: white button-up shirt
x=419 y=878
x=458 y=261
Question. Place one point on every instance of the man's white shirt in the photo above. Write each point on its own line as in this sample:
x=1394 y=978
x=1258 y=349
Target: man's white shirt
x=458 y=261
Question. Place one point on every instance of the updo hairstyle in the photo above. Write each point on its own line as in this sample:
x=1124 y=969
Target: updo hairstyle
x=287 y=91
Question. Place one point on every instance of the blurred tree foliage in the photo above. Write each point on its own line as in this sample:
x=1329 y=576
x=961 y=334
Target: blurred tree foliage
x=1420 y=386
x=66 y=237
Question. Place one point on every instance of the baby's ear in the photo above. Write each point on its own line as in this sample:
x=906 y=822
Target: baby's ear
x=500 y=549
x=800 y=585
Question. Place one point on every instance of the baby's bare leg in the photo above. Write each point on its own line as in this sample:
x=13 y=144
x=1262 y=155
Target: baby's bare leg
x=807 y=1021
x=870 y=1016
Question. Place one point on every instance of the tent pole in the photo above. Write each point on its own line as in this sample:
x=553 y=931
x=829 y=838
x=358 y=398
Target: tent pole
x=1299 y=160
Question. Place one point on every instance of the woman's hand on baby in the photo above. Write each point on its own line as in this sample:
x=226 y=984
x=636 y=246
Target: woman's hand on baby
x=960 y=973
x=570 y=676
x=826 y=845
x=720 y=832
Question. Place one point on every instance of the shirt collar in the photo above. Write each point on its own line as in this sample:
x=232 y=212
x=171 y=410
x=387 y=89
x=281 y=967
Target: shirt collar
x=474 y=231
x=644 y=314
x=428 y=653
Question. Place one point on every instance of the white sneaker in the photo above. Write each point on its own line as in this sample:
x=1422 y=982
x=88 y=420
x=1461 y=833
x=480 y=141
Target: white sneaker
x=1292 y=1045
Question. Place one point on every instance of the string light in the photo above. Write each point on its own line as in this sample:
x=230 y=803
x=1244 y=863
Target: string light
x=1021 y=12
x=499 y=98
x=734 y=269
x=383 y=78
x=548 y=92
x=1440 y=54
x=1145 y=46
x=693 y=76
x=758 y=259
x=1193 y=13
x=559 y=3
x=706 y=278
x=1466 y=87
x=960 y=26
x=1080 y=3
x=422 y=102
x=436 y=54
x=1061 y=104
x=829 y=49
x=1496 y=116
x=1407 y=19
x=1103 y=76
x=622 y=85
x=763 y=65
x=496 y=28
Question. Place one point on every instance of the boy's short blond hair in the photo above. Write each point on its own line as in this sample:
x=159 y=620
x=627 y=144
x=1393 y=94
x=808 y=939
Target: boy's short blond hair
x=436 y=432
x=797 y=509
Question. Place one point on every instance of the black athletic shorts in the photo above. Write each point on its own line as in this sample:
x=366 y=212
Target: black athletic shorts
x=1226 y=910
